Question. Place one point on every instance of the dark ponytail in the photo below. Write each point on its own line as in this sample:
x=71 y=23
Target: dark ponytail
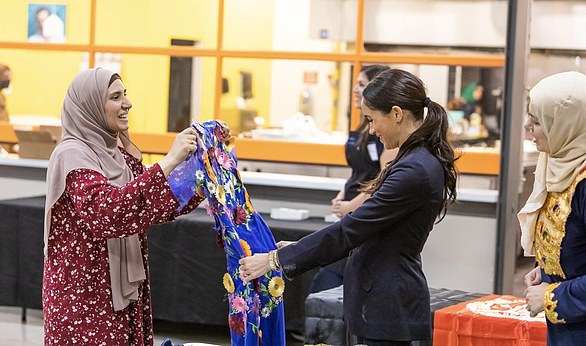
x=405 y=90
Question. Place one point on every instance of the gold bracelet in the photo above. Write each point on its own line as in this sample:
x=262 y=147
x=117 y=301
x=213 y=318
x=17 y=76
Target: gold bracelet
x=276 y=260
x=272 y=260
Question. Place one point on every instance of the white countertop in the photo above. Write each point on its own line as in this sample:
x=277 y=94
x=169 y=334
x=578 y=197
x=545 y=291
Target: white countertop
x=15 y=161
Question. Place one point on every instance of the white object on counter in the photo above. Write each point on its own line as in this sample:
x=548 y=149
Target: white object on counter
x=289 y=214
x=331 y=218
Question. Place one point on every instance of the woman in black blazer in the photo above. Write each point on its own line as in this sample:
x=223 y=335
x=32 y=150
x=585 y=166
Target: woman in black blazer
x=386 y=298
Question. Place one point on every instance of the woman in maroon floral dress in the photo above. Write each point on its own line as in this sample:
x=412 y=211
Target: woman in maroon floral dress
x=100 y=201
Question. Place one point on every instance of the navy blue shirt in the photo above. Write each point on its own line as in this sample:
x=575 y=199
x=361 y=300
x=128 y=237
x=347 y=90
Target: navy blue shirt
x=571 y=293
x=385 y=291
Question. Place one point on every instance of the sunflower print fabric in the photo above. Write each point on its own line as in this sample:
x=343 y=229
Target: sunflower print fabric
x=256 y=315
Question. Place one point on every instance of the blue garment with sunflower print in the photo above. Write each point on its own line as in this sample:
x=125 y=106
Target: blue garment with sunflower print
x=256 y=315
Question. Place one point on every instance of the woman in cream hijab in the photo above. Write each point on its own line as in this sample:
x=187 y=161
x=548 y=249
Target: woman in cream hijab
x=553 y=221
x=100 y=201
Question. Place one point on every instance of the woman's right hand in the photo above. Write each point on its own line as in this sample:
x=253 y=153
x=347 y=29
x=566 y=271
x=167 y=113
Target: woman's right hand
x=533 y=277
x=185 y=143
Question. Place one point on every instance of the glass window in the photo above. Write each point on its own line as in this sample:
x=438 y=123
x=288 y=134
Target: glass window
x=287 y=99
x=472 y=96
x=165 y=91
x=39 y=81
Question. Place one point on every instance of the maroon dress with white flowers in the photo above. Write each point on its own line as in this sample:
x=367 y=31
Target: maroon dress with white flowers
x=77 y=301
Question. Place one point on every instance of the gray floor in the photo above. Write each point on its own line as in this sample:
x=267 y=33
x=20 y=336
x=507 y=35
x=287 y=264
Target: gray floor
x=14 y=332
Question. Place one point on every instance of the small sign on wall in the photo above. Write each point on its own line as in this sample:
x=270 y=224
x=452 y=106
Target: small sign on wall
x=46 y=22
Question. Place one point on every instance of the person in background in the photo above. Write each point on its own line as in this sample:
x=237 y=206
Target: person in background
x=553 y=221
x=5 y=78
x=366 y=156
x=100 y=202
x=386 y=297
x=472 y=98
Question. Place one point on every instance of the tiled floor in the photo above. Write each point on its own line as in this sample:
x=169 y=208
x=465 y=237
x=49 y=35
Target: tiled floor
x=14 y=332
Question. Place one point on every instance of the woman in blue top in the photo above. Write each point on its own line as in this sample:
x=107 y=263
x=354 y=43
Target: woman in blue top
x=386 y=297
x=365 y=154
x=553 y=221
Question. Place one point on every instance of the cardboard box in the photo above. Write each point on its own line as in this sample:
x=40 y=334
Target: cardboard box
x=35 y=144
x=55 y=131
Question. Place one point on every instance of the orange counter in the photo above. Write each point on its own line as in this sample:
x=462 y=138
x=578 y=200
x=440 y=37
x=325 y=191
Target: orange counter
x=471 y=161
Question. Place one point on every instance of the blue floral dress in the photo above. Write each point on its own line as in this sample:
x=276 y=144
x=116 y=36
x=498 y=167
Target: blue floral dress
x=256 y=315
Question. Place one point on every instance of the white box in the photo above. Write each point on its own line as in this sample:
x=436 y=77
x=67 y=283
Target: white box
x=289 y=214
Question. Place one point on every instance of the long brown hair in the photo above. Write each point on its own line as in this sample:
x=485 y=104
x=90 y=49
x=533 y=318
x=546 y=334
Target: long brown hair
x=401 y=88
x=370 y=71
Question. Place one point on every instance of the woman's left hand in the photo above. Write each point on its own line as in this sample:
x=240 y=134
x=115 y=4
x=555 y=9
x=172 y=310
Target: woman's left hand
x=254 y=266
x=535 y=295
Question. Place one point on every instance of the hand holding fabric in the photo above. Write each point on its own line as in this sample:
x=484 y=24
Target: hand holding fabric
x=253 y=267
x=185 y=143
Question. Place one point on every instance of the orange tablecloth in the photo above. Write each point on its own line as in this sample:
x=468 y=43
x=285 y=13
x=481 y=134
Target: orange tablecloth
x=492 y=320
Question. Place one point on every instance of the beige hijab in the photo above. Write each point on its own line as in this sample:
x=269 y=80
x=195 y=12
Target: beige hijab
x=88 y=143
x=559 y=103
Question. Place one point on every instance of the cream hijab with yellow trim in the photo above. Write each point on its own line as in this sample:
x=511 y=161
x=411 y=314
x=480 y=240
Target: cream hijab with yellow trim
x=87 y=142
x=559 y=103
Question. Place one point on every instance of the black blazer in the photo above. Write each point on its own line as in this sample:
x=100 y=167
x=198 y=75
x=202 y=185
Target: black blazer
x=385 y=292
